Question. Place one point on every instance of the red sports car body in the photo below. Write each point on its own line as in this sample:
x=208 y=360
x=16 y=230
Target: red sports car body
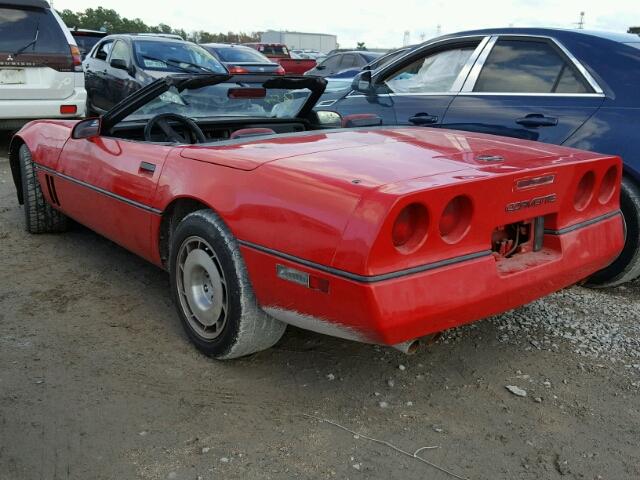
x=382 y=235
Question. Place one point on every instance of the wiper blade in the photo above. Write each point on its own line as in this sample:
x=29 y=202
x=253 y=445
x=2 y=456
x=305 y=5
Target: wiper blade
x=166 y=62
x=195 y=65
x=178 y=64
x=32 y=42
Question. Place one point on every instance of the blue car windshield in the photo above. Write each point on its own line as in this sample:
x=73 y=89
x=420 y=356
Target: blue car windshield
x=228 y=99
x=172 y=56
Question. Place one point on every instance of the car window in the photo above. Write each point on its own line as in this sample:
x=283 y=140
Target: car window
x=331 y=62
x=239 y=54
x=434 y=73
x=102 y=52
x=528 y=66
x=120 y=52
x=86 y=42
x=35 y=30
x=173 y=56
x=349 y=60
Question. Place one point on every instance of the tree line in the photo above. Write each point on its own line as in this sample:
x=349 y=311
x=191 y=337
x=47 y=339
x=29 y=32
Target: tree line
x=110 y=21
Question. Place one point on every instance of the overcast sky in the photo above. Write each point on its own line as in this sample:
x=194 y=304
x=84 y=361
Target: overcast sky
x=377 y=23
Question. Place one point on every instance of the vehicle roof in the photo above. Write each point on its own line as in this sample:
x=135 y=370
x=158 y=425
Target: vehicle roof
x=224 y=45
x=77 y=30
x=553 y=32
x=26 y=3
x=151 y=37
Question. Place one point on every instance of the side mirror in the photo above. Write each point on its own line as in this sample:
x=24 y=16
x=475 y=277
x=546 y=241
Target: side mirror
x=329 y=119
x=119 y=64
x=362 y=82
x=88 y=128
x=321 y=67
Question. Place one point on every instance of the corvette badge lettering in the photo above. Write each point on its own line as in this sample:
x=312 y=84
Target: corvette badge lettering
x=534 y=202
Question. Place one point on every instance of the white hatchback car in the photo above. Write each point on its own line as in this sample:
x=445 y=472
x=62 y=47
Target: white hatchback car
x=40 y=66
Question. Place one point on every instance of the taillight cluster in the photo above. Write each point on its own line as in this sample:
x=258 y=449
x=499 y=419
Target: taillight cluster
x=588 y=189
x=411 y=227
x=76 y=57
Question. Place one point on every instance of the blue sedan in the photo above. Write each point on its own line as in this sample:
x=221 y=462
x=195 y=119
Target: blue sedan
x=568 y=87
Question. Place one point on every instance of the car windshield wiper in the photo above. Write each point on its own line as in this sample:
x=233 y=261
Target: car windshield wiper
x=166 y=62
x=177 y=63
x=195 y=65
x=32 y=42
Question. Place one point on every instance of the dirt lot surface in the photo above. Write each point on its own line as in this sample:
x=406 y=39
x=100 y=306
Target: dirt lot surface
x=98 y=381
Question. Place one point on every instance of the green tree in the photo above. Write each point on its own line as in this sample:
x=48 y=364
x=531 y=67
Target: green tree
x=361 y=46
x=635 y=30
x=112 y=22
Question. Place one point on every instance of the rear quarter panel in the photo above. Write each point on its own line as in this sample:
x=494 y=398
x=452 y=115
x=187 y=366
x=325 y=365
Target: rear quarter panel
x=289 y=211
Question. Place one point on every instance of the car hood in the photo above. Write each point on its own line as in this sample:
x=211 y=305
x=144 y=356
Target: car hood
x=380 y=156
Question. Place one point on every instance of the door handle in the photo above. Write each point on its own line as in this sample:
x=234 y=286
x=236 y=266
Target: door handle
x=422 y=118
x=147 y=167
x=534 y=120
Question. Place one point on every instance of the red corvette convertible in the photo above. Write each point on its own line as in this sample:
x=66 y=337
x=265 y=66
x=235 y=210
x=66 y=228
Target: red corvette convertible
x=265 y=214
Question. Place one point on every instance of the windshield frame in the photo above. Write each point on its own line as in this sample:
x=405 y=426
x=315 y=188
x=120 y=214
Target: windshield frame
x=181 y=82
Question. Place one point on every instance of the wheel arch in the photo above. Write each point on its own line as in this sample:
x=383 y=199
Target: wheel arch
x=172 y=215
x=14 y=163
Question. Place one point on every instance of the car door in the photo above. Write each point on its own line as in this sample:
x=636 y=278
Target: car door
x=525 y=87
x=95 y=71
x=108 y=184
x=419 y=89
x=119 y=82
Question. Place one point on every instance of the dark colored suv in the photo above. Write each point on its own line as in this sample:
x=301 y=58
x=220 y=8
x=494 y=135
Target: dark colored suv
x=121 y=64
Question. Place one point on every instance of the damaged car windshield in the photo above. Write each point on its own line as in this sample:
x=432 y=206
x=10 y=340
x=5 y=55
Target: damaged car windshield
x=228 y=99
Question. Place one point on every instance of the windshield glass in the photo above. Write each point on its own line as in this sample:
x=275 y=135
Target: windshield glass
x=86 y=42
x=168 y=56
x=35 y=29
x=225 y=100
x=241 y=55
x=274 y=50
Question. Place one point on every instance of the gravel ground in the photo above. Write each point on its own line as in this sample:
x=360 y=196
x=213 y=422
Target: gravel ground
x=98 y=381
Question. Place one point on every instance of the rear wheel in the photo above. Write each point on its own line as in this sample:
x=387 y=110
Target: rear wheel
x=627 y=265
x=40 y=217
x=212 y=292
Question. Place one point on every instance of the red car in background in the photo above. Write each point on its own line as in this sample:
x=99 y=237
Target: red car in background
x=280 y=53
x=265 y=214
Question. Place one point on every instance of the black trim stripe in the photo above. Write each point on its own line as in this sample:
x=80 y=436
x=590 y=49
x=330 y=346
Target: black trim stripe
x=128 y=201
x=367 y=278
x=584 y=224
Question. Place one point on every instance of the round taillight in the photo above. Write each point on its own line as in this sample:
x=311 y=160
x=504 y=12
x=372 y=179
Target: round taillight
x=608 y=185
x=584 y=192
x=456 y=219
x=280 y=71
x=410 y=228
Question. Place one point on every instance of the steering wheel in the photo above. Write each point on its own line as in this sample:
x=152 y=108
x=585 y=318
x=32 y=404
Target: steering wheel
x=193 y=131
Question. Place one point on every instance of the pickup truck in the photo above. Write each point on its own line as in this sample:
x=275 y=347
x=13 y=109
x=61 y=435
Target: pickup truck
x=280 y=53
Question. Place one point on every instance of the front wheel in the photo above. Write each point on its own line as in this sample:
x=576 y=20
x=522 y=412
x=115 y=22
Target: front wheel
x=40 y=217
x=212 y=292
x=627 y=266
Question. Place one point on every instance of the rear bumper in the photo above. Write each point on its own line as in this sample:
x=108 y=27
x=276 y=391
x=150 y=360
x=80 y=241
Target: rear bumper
x=411 y=306
x=19 y=112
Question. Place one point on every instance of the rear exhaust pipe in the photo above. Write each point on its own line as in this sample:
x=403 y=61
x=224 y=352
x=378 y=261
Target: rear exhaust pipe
x=408 y=348
x=412 y=346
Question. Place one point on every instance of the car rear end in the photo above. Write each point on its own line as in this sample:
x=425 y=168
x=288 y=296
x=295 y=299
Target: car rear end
x=466 y=235
x=280 y=53
x=40 y=66
x=241 y=60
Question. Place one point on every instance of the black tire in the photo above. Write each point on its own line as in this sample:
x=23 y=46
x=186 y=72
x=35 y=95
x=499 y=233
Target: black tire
x=40 y=217
x=241 y=327
x=627 y=266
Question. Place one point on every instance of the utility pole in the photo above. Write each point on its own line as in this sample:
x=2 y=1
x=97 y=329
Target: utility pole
x=439 y=29
x=580 y=23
